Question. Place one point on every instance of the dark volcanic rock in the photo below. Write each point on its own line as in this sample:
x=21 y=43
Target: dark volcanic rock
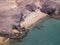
x=50 y=5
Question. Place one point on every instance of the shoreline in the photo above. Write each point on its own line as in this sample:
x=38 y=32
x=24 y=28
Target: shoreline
x=33 y=19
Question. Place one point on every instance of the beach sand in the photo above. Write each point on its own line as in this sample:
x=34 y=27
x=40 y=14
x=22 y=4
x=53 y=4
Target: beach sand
x=33 y=18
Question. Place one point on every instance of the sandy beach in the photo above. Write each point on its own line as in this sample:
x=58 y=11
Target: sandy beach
x=32 y=18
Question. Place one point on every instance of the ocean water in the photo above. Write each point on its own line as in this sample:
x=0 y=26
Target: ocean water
x=45 y=33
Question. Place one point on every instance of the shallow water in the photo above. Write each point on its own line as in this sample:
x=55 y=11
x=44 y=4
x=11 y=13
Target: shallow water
x=47 y=33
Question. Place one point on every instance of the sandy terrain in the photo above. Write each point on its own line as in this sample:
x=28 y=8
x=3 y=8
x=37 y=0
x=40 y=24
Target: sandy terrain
x=33 y=18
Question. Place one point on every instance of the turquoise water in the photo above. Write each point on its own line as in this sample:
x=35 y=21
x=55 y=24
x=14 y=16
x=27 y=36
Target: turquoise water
x=47 y=33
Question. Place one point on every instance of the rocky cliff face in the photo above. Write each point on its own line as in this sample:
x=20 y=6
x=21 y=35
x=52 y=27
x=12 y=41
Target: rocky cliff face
x=49 y=5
